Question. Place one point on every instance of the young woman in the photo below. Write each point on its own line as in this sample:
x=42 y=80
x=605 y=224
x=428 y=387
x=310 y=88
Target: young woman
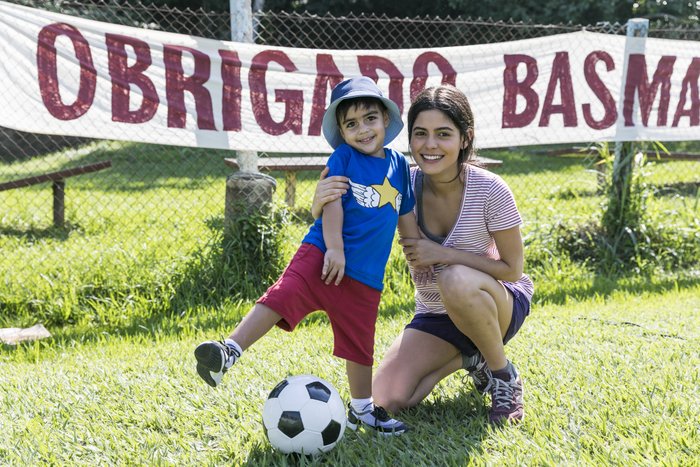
x=478 y=296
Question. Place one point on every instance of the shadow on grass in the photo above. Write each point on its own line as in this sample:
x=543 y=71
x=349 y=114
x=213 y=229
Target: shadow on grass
x=678 y=189
x=41 y=233
x=603 y=286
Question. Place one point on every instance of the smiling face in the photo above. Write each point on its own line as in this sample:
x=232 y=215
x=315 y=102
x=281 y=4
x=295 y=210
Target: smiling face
x=363 y=127
x=436 y=143
x=441 y=131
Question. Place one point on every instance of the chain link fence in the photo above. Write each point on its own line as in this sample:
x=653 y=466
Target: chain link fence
x=154 y=208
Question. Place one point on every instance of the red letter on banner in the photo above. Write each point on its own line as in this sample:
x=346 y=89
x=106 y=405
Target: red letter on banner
x=599 y=89
x=637 y=80
x=48 y=72
x=231 y=92
x=293 y=100
x=420 y=71
x=690 y=81
x=369 y=64
x=123 y=75
x=512 y=88
x=327 y=77
x=561 y=73
x=176 y=83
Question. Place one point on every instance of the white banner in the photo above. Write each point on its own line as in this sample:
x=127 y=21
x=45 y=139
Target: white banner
x=65 y=75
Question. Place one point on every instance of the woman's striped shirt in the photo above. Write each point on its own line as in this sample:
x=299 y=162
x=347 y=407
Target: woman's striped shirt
x=487 y=206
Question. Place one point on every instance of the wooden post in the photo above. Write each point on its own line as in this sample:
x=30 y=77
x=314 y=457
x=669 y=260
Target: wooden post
x=59 y=206
x=247 y=193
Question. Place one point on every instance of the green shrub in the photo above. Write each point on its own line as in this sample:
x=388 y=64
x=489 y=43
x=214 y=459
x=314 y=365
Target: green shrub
x=244 y=257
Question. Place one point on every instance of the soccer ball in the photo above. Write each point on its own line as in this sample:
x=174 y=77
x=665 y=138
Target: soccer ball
x=305 y=415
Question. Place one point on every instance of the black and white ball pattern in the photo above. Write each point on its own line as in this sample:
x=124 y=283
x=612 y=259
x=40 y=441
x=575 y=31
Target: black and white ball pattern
x=305 y=415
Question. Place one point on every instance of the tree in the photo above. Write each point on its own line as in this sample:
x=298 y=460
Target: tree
x=533 y=11
x=391 y=8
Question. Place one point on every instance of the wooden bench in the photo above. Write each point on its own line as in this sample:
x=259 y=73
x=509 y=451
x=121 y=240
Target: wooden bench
x=672 y=156
x=58 y=180
x=292 y=164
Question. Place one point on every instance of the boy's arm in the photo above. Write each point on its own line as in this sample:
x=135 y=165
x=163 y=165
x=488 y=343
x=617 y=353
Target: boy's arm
x=408 y=226
x=334 y=259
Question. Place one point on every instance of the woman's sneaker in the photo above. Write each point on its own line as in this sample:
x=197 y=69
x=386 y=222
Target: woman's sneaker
x=506 y=399
x=213 y=360
x=478 y=371
x=377 y=419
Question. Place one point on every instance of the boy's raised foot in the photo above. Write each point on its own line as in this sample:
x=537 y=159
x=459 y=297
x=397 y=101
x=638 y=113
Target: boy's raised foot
x=213 y=360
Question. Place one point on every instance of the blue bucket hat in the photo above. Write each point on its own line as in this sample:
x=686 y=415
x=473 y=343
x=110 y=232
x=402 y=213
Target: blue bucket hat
x=359 y=87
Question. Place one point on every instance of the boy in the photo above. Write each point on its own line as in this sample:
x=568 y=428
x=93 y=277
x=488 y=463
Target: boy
x=339 y=268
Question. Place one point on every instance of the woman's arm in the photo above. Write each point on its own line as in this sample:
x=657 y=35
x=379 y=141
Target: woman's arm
x=327 y=190
x=509 y=242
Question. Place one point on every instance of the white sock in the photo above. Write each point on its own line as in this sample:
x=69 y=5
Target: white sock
x=230 y=343
x=362 y=405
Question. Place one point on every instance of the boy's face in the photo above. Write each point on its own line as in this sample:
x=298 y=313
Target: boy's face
x=364 y=129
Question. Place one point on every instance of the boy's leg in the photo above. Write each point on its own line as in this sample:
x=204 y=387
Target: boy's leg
x=362 y=409
x=215 y=358
x=359 y=380
x=352 y=309
x=285 y=303
x=254 y=325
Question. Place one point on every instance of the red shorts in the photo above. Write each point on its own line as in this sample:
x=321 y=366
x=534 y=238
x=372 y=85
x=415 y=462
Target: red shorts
x=351 y=306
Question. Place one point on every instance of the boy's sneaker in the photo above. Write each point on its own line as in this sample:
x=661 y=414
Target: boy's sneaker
x=506 y=399
x=377 y=419
x=478 y=371
x=213 y=360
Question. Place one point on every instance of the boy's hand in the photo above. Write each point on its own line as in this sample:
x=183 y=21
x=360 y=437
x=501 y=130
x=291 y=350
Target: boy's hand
x=333 y=266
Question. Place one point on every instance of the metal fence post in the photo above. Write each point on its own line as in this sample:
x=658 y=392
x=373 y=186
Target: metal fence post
x=623 y=163
x=242 y=31
x=636 y=27
x=247 y=191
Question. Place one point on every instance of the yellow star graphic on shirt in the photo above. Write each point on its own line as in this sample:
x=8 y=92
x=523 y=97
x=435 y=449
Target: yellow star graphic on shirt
x=387 y=193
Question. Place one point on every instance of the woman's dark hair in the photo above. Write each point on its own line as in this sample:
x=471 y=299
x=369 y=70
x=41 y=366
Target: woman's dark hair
x=453 y=103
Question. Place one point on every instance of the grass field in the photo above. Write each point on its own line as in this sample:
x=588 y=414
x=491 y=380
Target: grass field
x=608 y=381
x=611 y=363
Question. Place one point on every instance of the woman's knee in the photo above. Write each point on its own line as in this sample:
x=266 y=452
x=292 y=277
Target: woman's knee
x=394 y=404
x=458 y=281
x=392 y=399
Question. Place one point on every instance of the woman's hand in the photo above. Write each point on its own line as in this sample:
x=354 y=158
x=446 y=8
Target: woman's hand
x=421 y=252
x=327 y=190
x=423 y=275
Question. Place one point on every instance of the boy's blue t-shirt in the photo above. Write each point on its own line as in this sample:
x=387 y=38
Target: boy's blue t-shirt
x=380 y=192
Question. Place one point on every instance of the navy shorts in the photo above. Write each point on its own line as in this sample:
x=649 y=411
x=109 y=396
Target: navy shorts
x=442 y=326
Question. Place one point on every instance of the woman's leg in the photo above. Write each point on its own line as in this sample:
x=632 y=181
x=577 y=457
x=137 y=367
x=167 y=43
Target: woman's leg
x=480 y=307
x=411 y=368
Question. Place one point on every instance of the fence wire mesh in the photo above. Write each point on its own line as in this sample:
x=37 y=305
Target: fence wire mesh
x=164 y=201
